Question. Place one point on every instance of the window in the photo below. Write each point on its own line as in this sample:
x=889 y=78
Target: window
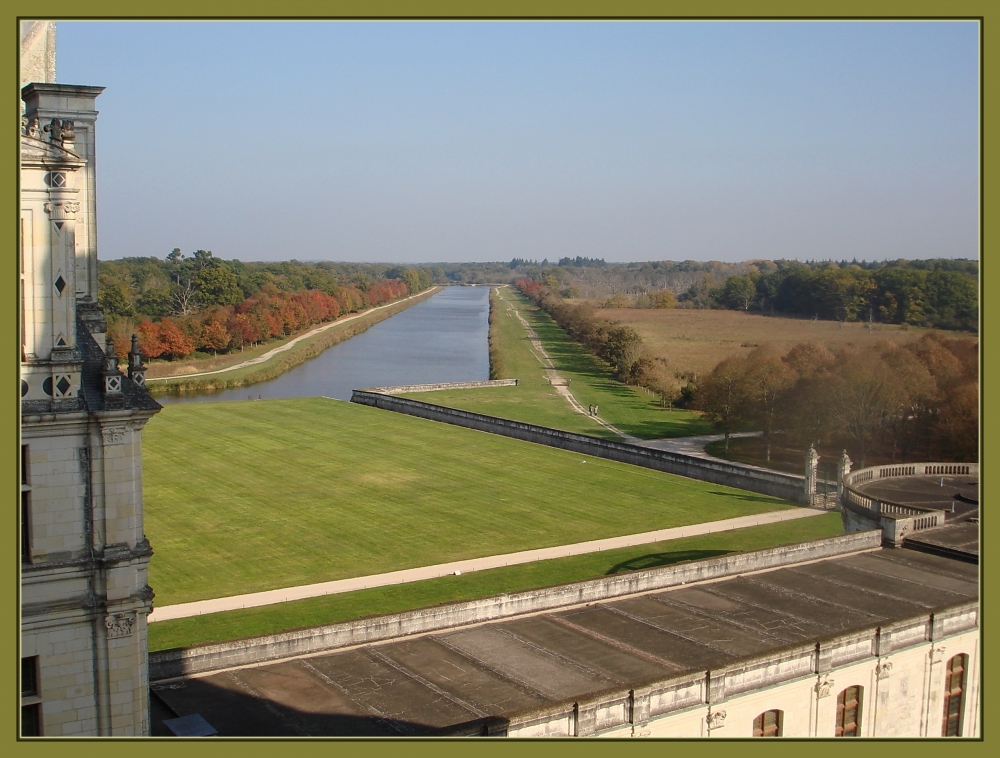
x=767 y=724
x=25 y=529
x=31 y=705
x=954 y=695
x=849 y=712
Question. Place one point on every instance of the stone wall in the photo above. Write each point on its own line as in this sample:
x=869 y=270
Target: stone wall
x=776 y=483
x=201 y=658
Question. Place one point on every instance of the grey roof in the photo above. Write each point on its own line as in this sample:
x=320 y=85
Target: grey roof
x=463 y=680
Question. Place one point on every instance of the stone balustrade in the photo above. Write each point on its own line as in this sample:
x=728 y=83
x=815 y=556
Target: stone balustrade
x=897 y=519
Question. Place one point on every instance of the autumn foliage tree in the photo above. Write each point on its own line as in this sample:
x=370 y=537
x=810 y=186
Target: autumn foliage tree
x=920 y=399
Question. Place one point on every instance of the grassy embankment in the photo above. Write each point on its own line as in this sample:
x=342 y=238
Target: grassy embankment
x=275 y=366
x=697 y=340
x=249 y=496
x=217 y=627
x=630 y=409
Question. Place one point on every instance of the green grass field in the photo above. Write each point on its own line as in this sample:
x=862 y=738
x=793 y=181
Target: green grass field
x=270 y=619
x=630 y=409
x=248 y=496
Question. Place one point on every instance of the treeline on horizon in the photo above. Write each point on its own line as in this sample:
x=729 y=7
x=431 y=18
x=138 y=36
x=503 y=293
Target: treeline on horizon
x=892 y=401
x=181 y=305
x=940 y=293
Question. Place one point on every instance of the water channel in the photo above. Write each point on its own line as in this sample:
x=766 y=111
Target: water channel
x=441 y=339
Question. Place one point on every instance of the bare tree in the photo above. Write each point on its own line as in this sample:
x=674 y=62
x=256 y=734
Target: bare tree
x=185 y=297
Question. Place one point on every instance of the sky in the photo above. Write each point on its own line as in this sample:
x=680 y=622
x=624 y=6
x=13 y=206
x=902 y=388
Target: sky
x=451 y=141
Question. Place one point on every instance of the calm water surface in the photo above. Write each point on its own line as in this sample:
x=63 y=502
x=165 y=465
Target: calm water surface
x=442 y=339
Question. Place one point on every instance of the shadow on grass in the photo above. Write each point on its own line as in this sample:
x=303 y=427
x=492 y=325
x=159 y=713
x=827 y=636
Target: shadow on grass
x=656 y=560
x=746 y=497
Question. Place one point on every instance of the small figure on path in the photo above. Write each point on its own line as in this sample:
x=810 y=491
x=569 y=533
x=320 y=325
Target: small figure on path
x=595 y=410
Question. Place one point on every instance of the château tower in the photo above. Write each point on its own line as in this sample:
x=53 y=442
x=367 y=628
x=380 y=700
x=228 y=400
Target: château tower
x=84 y=556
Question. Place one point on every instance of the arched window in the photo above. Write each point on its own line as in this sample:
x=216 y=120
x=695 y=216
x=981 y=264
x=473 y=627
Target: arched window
x=849 y=712
x=767 y=724
x=954 y=695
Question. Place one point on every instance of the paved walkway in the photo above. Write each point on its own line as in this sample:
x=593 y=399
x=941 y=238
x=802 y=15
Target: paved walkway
x=257 y=599
x=288 y=345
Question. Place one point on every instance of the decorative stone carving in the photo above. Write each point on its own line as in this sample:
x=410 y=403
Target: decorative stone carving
x=119 y=625
x=64 y=386
x=824 y=688
x=883 y=670
x=843 y=469
x=136 y=369
x=113 y=435
x=112 y=376
x=60 y=131
x=30 y=127
x=716 y=719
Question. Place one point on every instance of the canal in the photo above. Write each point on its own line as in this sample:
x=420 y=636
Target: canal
x=441 y=339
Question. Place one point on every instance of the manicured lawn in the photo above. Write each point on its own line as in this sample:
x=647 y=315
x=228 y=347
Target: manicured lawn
x=630 y=409
x=254 y=495
x=217 y=627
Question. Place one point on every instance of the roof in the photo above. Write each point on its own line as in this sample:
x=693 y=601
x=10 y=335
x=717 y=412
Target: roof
x=453 y=680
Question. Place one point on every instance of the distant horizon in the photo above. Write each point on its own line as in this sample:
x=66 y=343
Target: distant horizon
x=476 y=142
x=556 y=262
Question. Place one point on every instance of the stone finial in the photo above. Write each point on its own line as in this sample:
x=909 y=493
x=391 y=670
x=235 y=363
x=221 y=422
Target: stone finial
x=843 y=469
x=136 y=369
x=112 y=376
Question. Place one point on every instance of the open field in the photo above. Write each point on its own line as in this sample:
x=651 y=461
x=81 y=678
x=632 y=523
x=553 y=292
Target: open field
x=217 y=627
x=696 y=340
x=631 y=409
x=249 y=496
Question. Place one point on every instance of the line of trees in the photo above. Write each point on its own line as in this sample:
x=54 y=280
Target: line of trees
x=181 y=305
x=616 y=343
x=938 y=293
x=919 y=400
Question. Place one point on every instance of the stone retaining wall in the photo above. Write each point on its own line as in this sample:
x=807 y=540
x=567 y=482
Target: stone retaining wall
x=776 y=483
x=405 y=388
x=167 y=664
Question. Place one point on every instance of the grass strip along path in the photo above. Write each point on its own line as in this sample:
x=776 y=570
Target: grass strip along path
x=249 y=496
x=629 y=409
x=218 y=627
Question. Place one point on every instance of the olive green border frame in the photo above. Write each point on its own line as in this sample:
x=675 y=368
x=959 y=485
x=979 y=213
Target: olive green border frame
x=484 y=10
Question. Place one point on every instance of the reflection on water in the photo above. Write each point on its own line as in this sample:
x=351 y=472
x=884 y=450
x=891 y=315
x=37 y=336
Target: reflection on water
x=442 y=339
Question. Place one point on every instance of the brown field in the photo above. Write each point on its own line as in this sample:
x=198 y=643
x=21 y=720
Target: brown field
x=696 y=340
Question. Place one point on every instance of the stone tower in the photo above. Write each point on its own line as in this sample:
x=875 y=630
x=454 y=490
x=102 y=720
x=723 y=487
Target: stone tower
x=84 y=596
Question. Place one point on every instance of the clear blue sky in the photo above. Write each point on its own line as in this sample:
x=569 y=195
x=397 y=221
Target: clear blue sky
x=425 y=142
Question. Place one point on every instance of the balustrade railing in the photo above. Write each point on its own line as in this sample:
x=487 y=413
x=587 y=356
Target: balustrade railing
x=911 y=517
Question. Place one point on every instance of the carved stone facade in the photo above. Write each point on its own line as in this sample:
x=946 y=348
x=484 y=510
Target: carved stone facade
x=83 y=552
